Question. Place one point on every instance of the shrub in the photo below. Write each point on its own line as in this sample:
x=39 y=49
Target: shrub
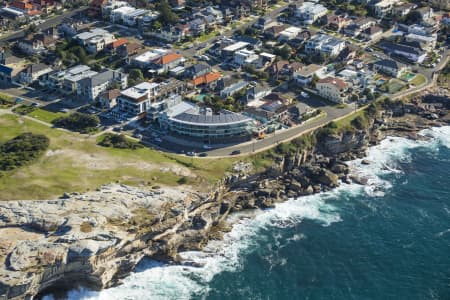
x=24 y=109
x=80 y=122
x=118 y=141
x=22 y=150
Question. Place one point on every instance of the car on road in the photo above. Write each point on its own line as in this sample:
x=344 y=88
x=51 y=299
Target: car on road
x=190 y=153
x=35 y=104
x=204 y=154
x=236 y=152
x=304 y=95
x=117 y=129
x=158 y=140
x=207 y=147
x=18 y=100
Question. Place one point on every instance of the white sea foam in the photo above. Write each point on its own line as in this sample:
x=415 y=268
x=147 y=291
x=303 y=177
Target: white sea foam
x=386 y=157
x=159 y=281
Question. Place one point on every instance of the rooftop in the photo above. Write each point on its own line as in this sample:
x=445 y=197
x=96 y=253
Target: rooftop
x=195 y=116
x=139 y=90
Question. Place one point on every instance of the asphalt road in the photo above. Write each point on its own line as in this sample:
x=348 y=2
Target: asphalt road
x=54 y=21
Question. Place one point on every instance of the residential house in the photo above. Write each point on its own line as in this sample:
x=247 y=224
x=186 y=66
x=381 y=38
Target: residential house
x=197 y=70
x=108 y=99
x=390 y=67
x=426 y=42
x=197 y=26
x=245 y=57
x=31 y=45
x=404 y=9
x=112 y=48
x=324 y=44
x=273 y=32
x=305 y=75
x=129 y=49
x=207 y=81
x=67 y=80
x=412 y=53
x=257 y=92
x=289 y=33
x=32 y=72
x=358 y=25
x=310 y=12
x=90 y=88
x=333 y=89
x=372 y=33
x=95 y=40
x=229 y=50
x=337 y=23
x=233 y=89
x=166 y=62
x=426 y=13
x=384 y=7
x=264 y=23
x=145 y=60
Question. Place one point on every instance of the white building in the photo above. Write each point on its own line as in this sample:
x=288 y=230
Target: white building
x=324 y=44
x=95 y=40
x=305 y=75
x=289 y=33
x=333 y=89
x=137 y=99
x=145 y=59
x=90 y=88
x=245 y=57
x=310 y=12
x=384 y=7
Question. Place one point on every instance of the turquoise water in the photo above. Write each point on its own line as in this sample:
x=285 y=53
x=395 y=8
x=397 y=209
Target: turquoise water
x=388 y=240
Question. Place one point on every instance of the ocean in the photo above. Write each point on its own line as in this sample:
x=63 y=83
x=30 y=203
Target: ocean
x=387 y=240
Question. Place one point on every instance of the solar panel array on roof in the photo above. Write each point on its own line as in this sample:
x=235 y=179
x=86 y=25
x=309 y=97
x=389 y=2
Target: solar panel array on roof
x=199 y=119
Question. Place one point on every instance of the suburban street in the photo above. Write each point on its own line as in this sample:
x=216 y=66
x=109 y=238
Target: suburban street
x=54 y=21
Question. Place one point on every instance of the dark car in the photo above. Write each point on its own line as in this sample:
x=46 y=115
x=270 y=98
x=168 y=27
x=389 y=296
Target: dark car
x=117 y=129
x=236 y=152
x=203 y=154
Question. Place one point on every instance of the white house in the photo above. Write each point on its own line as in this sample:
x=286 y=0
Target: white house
x=324 y=44
x=289 y=33
x=333 y=89
x=310 y=12
x=244 y=57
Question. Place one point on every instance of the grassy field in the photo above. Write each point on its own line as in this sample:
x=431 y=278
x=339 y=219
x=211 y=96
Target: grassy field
x=75 y=163
x=418 y=80
x=45 y=115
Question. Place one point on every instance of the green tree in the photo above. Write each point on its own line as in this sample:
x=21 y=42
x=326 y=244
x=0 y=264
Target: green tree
x=136 y=76
x=167 y=15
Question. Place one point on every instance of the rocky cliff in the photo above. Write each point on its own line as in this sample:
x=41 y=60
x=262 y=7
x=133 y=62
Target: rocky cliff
x=98 y=238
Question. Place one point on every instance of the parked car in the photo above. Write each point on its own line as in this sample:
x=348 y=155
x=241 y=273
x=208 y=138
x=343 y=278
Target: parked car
x=35 y=104
x=204 y=154
x=117 y=129
x=236 y=152
x=190 y=153
x=207 y=147
x=158 y=140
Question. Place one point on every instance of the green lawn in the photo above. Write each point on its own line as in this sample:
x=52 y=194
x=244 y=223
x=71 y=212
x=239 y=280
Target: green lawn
x=74 y=162
x=418 y=80
x=45 y=115
x=345 y=122
x=207 y=36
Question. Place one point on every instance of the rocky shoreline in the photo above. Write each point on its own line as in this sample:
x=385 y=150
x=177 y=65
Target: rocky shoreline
x=97 y=239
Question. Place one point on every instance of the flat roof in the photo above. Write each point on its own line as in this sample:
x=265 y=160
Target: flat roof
x=139 y=90
x=194 y=117
x=236 y=46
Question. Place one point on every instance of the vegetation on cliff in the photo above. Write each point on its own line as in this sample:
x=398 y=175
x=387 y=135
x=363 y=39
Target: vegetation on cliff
x=22 y=150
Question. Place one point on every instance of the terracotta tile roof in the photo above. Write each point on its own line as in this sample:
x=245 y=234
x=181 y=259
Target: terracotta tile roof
x=168 y=58
x=119 y=42
x=339 y=83
x=207 y=78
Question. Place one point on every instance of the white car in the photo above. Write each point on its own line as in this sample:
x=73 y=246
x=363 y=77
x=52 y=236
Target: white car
x=207 y=147
x=305 y=95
